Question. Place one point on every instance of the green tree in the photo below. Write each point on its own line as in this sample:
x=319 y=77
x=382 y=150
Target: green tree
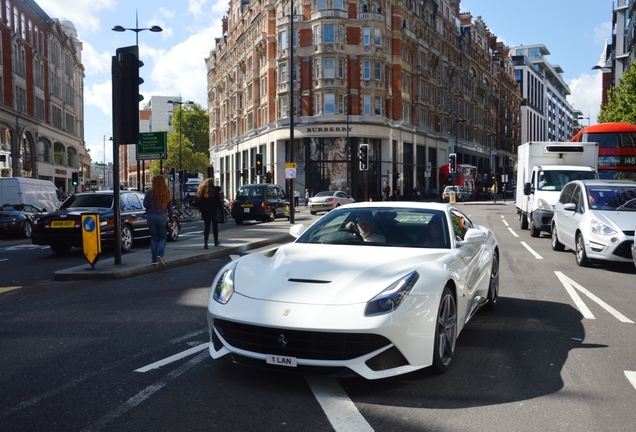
x=193 y=122
x=621 y=100
x=189 y=141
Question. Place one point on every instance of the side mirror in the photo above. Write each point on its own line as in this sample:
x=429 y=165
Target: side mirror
x=474 y=235
x=527 y=188
x=569 y=207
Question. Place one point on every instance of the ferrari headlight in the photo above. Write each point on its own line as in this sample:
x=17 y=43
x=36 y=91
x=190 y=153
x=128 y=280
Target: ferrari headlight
x=389 y=299
x=224 y=287
x=543 y=205
x=600 y=228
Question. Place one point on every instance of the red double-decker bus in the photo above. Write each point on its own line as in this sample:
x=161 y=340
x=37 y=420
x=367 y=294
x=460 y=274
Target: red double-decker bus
x=616 y=151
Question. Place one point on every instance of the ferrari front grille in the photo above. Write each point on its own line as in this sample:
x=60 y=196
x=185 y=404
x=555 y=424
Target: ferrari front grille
x=303 y=344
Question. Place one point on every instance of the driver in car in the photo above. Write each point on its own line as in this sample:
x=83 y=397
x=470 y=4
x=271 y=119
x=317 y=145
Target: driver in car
x=364 y=225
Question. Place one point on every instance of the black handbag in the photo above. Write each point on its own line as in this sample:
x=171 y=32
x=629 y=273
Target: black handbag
x=220 y=216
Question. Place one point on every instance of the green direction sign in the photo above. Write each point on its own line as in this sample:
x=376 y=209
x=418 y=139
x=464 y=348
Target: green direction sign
x=152 y=145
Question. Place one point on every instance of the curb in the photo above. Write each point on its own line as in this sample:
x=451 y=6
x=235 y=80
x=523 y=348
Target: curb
x=126 y=270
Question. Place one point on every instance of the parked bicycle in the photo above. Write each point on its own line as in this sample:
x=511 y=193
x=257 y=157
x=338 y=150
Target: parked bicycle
x=186 y=209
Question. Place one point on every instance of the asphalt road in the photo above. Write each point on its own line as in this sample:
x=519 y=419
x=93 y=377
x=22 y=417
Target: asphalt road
x=130 y=355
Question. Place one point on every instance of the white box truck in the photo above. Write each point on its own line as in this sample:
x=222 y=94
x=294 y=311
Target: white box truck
x=25 y=190
x=543 y=168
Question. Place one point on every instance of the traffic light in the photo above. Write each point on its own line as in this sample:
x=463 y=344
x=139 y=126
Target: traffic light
x=126 y=95
x=364 y=157
x=259 y=164
x=452 y=163
x=75 y=178
x=172 y=171
x=182 y=176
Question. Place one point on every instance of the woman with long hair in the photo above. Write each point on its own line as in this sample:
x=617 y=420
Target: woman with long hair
x=158 y=211
x=210 y=204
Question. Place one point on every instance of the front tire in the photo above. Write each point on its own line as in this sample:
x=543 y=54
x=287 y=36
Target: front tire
x=126 y=239
x=556 y=244
x=581 y=256
x=523 y=221
x=445 y=332
x=493 y=288
x=27 y=229
x=173 y=231
x=534 y=231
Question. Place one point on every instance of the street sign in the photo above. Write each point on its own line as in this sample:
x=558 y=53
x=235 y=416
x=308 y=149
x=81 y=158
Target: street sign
x=152 y=145
x=167 y=169
x=290 y=170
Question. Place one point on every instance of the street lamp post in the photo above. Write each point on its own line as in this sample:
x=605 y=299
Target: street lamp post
x=116 y=144
x=154 y=28
x=457 y=121
x=347 y=99
x=180 y=103
x=105 y=185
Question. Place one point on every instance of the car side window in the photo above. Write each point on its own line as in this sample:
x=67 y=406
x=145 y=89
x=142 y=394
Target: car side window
x=576 y=199
x=135 y=204
x=566 y=194
x=461 y=224
x=125 y=205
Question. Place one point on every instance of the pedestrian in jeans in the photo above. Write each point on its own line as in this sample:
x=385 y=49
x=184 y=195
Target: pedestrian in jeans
x=210 y=204
x=158 y=212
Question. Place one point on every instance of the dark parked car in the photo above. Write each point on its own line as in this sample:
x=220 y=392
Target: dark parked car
x=17 y=220
x=260 y=202
x=61 y=229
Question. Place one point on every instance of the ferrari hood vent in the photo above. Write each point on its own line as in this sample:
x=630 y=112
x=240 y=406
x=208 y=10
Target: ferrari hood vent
x=315 y=281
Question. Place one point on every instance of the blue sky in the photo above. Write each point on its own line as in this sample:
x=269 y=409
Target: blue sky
x=574 y=31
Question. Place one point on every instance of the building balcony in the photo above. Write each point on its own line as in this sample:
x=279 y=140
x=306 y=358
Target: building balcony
x=370 y=16
x=329 y=13
x=285 y=19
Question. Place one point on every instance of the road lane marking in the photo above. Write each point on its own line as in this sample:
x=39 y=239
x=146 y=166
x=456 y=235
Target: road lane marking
x=631 y=376
x=146 y=393
x=567 y=281
x=7 y=289
x=339 y=409
x=585 y=311
x=513 y=233
x=173 y=358
x=536 y=255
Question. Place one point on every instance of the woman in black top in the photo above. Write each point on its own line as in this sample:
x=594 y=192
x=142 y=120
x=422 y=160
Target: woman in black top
x=210 y=204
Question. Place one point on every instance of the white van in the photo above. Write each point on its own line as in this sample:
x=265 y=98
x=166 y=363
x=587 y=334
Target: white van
x=25 y=190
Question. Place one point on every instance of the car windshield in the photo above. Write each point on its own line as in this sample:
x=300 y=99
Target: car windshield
x=555 y=180
x=249 y=192
x=402 y=227
x=325 y=194
x=16 y=207
x=621 y=198
x=89 y=200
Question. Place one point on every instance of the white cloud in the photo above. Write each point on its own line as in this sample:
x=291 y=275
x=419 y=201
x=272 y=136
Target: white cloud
x=95 y=63
x=83 y=13
x=100 y=95
x=181 y=70
x=586 y=95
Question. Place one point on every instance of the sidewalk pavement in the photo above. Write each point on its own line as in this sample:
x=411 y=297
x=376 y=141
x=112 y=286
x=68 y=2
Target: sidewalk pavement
x=188 y=249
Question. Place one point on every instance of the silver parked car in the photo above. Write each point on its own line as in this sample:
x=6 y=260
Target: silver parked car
x=328 y=200
x=461 y=194
x=595 y=218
